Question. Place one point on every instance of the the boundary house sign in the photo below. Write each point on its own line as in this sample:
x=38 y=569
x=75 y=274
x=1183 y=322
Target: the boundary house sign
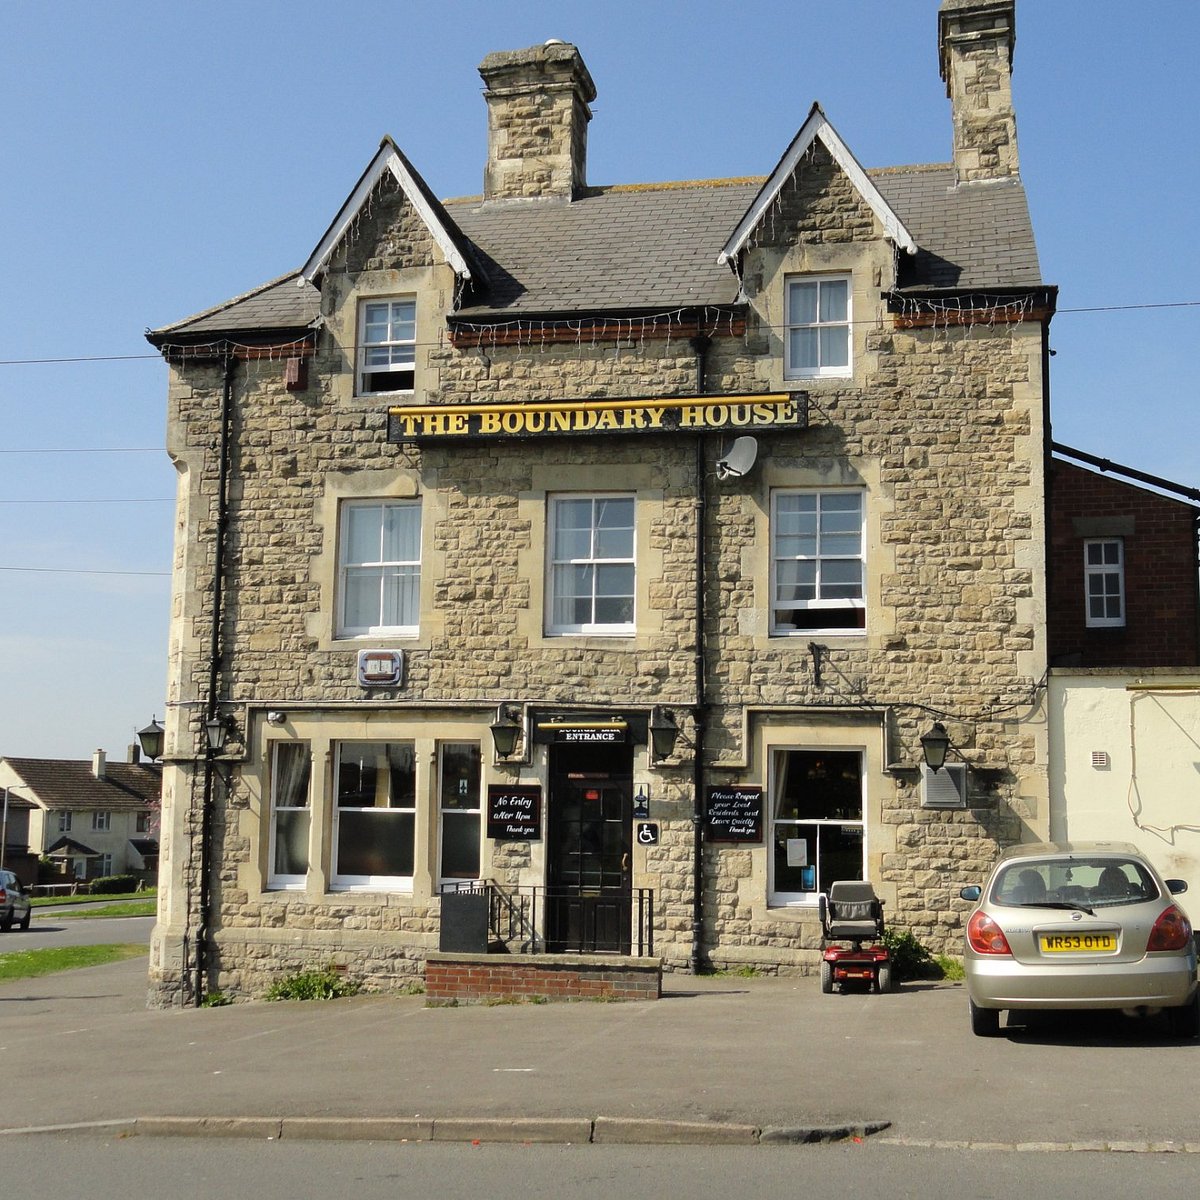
x=562 y=418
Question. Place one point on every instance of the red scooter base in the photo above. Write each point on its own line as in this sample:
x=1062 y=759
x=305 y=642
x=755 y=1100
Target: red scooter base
x=870 y=966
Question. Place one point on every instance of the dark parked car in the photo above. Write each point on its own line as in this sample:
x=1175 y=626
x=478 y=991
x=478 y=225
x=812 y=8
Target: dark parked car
x=14 y=903
x=1074 y=925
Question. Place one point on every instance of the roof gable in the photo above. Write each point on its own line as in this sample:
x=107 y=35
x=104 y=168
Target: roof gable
x=816 y=128
x=389 y=160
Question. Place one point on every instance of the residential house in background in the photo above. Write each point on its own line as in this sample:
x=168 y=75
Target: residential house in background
x=14 y=837
x=91 y=819
x=1124 y=638
x=615 y=546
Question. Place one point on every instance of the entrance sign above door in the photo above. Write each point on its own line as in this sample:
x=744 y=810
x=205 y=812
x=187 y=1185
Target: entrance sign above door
x=614 y=732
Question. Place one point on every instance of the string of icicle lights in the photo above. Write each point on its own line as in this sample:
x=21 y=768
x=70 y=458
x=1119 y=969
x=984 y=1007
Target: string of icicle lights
x=981 y=310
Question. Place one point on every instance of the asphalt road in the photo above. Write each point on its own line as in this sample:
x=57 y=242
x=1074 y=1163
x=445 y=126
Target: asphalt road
x=49 y=929
x=201 y=1169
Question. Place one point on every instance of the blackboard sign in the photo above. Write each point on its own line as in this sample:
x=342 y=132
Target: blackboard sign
x=734 y=814
x=514 y=814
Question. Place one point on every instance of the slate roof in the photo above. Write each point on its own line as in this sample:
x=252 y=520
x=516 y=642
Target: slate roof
x=654 y=248
x=284 y=303
x=64 y=784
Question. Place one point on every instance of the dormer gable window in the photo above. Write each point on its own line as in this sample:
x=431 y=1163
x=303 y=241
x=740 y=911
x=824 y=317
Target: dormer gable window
x=818 y=326
x=387 y=342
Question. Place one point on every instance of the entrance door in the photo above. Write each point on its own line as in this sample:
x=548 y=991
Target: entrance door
x=589 y=883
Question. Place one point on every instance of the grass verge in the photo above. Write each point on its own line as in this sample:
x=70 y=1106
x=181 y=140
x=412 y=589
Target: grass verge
x=136 y=908
x=28 y=964
x=45 y=901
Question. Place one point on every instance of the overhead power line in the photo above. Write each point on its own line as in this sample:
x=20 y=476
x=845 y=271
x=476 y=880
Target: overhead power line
x=144 y=500
x=84 y=450
x=85 y=571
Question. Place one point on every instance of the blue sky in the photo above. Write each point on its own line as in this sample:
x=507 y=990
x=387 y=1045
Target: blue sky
x=159 y=158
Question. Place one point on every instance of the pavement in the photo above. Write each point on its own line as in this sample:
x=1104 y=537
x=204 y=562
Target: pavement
x=716 y=1060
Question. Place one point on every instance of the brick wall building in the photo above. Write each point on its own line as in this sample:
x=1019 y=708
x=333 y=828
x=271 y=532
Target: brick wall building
x=476 y=464
x=1123 y=574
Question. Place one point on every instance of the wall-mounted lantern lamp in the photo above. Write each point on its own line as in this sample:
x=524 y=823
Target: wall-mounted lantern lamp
x=506 y=729
x=151 y=739
x=216 y=733
x=664 y=731
x=934 y=743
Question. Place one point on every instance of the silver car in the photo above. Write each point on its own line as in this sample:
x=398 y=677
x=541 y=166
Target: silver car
x=1070 y=925
x=14 y=903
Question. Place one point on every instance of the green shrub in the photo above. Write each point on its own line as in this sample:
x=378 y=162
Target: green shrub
x=113 y=884
x=215 y=1000
x=324 y=984
x=951 y=967
x=910 y=960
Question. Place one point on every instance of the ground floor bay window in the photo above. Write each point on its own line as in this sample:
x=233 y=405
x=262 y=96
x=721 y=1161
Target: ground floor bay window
x=374 y=814
x=817 y=827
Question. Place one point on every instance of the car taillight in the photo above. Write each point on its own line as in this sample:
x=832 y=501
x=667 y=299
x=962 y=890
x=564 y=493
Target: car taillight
x=3 y=895
x=985 y=936
x=1171 y=931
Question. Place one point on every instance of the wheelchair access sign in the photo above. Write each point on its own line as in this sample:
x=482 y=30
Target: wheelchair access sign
x=646 y=833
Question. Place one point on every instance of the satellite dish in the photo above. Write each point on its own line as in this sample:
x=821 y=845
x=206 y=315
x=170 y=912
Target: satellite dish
x=740 y=458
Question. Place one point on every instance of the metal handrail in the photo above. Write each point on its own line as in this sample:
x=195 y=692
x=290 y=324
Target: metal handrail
x=519 y=913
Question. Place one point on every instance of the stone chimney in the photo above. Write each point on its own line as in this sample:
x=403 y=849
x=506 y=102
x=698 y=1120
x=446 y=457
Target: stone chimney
x=538 y=116
x=98 y=764
x=975 y=48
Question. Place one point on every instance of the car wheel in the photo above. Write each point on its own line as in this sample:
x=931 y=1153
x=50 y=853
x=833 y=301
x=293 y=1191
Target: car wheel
x=985 y=1022
x=6 y=923
x=826 y=977
x=885 y=980
x=26 y=919
x=1184 y=1022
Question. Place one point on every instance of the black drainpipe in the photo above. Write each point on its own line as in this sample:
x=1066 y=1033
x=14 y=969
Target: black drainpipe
x=700 y=345
x=212 y=704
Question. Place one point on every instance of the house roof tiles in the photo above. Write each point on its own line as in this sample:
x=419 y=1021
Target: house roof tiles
x=654 y=247
x=69 y=785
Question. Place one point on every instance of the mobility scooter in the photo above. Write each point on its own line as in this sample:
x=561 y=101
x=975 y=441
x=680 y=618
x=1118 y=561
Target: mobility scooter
x=853 y=913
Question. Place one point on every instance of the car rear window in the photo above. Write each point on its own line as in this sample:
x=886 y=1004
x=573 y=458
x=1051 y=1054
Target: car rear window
x=1096 y=882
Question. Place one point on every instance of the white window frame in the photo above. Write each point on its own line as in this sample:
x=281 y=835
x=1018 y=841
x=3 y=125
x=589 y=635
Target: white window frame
x=141 y=822
x=101 y=821
x=360 y=882
x=556 y=567
x=1101 y=572
x=808 y=899
x=457 y=811
x=385 y=568
x=105 y=866
x=792 y=285
x=64 y=821
x=287 y=880
x=389 y=354
x=819 y=604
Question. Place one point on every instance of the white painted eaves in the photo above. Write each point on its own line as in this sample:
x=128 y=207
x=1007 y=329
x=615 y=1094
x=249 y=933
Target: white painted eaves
x=817 y=128
x=387 y=158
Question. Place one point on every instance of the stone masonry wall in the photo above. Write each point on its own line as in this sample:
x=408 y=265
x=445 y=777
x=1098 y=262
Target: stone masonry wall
x=942 y=421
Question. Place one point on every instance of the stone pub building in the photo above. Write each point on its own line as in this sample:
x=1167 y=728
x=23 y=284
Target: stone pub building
x=612 y=546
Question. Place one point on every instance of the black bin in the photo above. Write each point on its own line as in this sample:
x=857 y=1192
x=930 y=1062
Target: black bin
x=464 y=923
